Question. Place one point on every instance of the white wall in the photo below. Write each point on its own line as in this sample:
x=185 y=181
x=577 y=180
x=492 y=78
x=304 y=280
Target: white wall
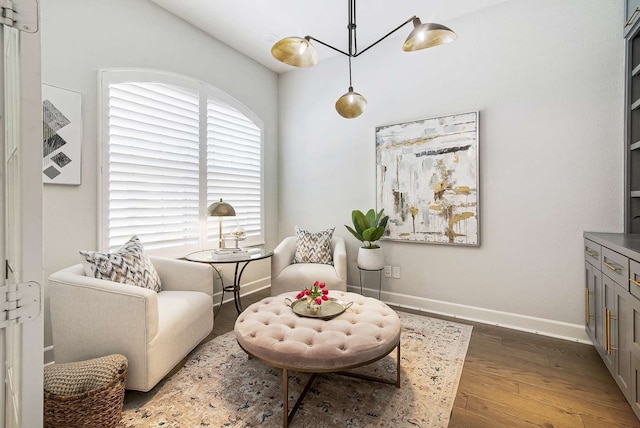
x=80 y=37
x=547 y=78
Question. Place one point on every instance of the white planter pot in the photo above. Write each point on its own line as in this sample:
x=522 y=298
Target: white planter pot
x=370 y=258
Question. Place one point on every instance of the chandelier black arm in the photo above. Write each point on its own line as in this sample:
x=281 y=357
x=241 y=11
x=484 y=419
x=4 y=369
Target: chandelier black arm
x=368 y=47
x=327 y=45
x=385 y=36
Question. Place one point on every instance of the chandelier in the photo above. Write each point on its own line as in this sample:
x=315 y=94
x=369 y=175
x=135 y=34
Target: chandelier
x=299 y=52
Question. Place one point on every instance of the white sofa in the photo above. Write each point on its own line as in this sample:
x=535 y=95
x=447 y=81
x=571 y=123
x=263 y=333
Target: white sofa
x=93 y=317
x=289 y=276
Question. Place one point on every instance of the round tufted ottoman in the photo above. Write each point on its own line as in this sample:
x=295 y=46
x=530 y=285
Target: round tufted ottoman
x=272 y=333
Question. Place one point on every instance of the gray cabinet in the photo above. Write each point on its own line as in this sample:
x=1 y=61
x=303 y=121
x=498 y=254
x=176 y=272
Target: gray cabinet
x=593 y=305
x=632 y=326
x=612 y=289
x=610 y=328
x=634 y=398
x=593 y=295
x=632 y=121
x=623 y=330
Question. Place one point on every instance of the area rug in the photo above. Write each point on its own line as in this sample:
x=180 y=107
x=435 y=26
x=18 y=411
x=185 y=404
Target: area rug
x=220 y=387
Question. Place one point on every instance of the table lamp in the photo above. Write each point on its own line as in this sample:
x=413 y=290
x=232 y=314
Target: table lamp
x=220 y=209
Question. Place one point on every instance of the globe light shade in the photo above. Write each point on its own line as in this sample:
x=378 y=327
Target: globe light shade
x=427 y=35
x=351 y=104
x=296 y=51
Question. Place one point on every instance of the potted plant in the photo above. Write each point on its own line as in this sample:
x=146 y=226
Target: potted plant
x=368 y=228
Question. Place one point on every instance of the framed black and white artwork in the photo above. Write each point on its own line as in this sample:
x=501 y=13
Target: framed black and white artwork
x=62 y=135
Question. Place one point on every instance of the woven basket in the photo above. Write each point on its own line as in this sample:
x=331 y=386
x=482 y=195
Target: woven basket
x=98 y=407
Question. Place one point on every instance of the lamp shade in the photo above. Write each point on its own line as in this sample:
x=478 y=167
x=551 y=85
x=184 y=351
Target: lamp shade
x=295 y=51
x=351 y=104
x=220 y=209
x=427 y=35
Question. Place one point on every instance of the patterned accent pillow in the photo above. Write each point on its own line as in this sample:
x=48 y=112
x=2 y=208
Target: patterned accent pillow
x=313 y=247
x=128 y=265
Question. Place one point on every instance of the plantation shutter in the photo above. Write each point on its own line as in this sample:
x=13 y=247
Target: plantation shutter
x=234 y=146
x=153 y=165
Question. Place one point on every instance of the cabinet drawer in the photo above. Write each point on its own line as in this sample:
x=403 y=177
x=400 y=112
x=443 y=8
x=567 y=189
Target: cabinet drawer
x=634 y=278
x=592 y=252
x=616 y=267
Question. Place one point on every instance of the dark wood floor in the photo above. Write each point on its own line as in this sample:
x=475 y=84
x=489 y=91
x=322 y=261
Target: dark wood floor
x=515 y=379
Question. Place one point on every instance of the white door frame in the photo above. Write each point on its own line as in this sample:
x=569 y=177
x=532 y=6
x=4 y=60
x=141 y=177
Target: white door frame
x=28 y=344
x=32 y=224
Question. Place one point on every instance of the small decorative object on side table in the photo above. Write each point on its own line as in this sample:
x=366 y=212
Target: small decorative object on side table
x=238 y=234
x=219 y=256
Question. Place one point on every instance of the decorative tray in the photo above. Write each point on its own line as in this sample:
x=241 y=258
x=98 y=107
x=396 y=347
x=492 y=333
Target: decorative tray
x=329 y=309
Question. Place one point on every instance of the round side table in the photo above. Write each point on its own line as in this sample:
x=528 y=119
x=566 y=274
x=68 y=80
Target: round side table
x=207 y=256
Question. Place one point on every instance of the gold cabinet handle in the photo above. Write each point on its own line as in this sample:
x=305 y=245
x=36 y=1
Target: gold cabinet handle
x=591 y=253
x=633 y=15
x=606 y=331
x=612 y=267
x=634 y=281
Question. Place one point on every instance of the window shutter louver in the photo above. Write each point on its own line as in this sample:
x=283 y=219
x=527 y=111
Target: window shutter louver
x=153 y=165
x=234 y=173
x=165 y=138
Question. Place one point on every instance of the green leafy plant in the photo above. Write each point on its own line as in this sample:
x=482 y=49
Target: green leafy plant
x=368 y=228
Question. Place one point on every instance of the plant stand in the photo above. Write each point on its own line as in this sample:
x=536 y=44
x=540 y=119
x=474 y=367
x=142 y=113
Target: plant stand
x=379 y=279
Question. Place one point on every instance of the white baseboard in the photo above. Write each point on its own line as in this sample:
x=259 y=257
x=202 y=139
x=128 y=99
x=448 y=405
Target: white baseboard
x=545 y=327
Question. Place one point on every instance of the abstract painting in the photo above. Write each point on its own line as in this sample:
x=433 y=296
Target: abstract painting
x=427 y=179
x=62 y=135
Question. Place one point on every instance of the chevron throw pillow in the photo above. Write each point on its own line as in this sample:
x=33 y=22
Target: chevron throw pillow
x=128 y=265
x=313 y=247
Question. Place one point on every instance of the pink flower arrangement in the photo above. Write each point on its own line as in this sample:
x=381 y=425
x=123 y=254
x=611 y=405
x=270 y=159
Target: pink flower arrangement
x=317 y=292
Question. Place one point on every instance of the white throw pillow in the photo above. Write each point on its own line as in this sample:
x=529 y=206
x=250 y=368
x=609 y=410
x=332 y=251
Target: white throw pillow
x=313 y=247
x=128 y=265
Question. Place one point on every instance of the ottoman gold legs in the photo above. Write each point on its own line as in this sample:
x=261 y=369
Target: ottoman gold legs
x=288 y=416
x=395 y=382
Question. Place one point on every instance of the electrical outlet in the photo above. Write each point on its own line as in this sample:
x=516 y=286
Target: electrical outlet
x=396 y=271
x=387 y=271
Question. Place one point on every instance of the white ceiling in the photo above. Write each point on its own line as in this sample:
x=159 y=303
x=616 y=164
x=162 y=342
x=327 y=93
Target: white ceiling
x=252 y=26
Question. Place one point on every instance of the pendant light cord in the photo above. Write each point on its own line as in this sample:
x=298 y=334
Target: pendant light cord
x=353 y=26
x=352 y=34
x=350 y=85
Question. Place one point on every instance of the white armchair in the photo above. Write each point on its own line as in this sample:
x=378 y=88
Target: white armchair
x=289 y=276
x=93 y=317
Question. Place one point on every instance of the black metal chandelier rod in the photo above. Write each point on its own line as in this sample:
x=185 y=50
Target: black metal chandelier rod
x=353 y=39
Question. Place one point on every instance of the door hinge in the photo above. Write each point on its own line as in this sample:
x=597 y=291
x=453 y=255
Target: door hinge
x=19 y=303
x=20 y=14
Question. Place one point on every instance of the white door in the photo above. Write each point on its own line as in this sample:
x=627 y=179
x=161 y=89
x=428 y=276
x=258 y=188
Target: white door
x=21 y=342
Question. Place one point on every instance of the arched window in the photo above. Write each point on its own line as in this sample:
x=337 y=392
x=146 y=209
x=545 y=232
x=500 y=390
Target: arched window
x=170 y=147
